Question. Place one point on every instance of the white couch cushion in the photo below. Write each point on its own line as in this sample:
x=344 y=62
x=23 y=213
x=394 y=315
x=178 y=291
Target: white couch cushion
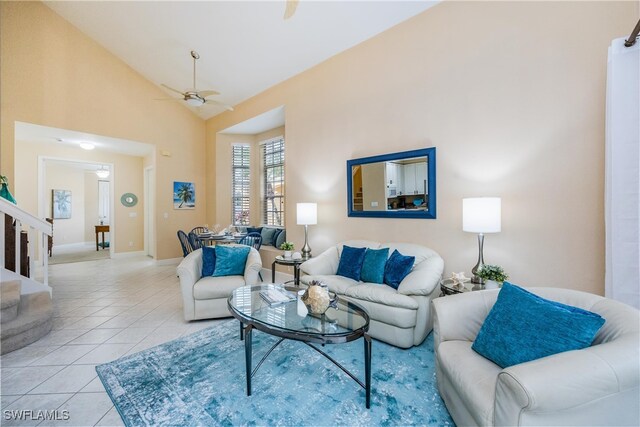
x=216 y=287
x=472 y=376
x=381 y=294
x=335 y=283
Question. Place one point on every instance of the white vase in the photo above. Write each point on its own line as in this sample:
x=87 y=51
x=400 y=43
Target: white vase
x=491 y=284
x=287 y=254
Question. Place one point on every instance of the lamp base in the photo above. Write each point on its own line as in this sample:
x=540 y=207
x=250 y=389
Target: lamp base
x=475 y=279
x=306 y=249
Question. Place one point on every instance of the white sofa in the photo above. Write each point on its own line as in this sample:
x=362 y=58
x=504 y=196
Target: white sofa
x=206 y=297
x=598 y=385
x=399 y=317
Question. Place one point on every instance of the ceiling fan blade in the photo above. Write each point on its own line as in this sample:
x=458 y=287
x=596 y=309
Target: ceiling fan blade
x=172 y=89
x=205 y=93
x=219 y=104
x=291 y=8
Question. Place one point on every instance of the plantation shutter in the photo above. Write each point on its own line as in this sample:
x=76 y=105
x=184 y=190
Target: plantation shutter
x=273 y=181
x=241 y=184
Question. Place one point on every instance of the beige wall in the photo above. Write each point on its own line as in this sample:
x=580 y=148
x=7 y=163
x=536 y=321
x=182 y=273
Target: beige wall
x=512 y=94
x=374 y=187
x=66 y=177
x=127 y=178
x=54 y=75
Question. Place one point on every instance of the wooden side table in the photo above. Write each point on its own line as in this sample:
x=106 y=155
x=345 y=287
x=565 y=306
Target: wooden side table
x=101 y=229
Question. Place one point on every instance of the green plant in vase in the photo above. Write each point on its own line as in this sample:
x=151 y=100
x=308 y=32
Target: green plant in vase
x=287 y=247
x=492 y=273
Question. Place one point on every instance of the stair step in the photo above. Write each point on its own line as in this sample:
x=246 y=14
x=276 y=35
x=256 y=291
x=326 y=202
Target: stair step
x=9 y=300
x=35 y=320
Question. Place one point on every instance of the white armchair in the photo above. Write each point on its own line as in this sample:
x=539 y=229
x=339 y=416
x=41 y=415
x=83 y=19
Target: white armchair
x=206 y=297
x=599 y=385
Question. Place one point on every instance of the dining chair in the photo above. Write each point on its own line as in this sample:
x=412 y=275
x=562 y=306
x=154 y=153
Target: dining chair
x=185 y=243
x=195 y=242
x=199 y=230
x=255 y=241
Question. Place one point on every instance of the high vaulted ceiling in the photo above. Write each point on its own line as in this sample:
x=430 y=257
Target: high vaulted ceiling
x=245 y=47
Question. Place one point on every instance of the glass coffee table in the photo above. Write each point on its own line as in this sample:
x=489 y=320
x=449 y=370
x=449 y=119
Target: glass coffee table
x=347 y=322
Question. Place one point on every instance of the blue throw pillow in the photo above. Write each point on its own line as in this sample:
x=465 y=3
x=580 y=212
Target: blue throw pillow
x=208 y=260
x=373 y=265
x=267 y=235
x=230 y=260
x=254 y=229
x=281 y=238
x=522 y=326
x=397 y=268
x=275 y=237
x=351 y=262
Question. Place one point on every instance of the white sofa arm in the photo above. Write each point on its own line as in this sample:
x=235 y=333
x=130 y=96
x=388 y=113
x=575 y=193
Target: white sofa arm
x=189 y=271
x=586 y=381
x=460 y=317
x=324 y=264
x=252 y=267
x=424 y=278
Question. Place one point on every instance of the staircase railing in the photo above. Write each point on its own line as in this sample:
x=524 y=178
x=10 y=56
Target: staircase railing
x=35 y=228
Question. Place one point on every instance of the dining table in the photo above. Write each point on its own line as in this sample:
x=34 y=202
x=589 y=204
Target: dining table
x=210 y=239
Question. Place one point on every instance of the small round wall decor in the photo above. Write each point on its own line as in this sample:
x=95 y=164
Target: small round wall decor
x=129 y=200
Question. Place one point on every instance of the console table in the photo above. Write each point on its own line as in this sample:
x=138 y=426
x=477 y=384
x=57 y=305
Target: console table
x=101 y=229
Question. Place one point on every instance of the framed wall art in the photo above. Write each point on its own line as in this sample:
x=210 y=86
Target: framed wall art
x=61 y=204
x=184 y=195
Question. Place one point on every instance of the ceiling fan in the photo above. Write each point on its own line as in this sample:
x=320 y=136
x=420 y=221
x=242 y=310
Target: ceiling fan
x=194 y=97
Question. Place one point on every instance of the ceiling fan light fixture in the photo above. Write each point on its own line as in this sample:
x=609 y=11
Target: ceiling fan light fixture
x=193 y=101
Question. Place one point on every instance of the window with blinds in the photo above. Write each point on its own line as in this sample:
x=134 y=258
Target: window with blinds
x=273 y=181
x=241 y=184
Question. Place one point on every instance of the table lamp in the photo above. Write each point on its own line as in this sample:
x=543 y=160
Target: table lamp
x=307 y=214
x=481 y=215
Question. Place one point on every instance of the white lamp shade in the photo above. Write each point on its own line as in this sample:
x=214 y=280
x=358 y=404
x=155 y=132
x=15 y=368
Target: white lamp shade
x=307 y=213
x=481 y=214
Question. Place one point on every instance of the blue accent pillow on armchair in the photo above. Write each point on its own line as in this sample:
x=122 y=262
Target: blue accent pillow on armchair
x=208 y=260
x=351 y=261
x=230 y=260
x=522 y=326
x=397 y=268
x=373 y=265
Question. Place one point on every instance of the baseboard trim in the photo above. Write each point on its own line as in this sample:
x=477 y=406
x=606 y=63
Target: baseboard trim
x=169 y=261
x=127 y=254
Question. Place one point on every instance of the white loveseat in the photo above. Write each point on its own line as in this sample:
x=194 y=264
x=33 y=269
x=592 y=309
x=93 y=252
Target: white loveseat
x=400 y=317
x=598 y=385
x=206 y=297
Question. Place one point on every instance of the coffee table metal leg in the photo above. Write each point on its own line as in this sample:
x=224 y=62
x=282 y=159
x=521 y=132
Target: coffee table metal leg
x=367 y=368
x=241 y=331
x=247 y=356
x=273 y=272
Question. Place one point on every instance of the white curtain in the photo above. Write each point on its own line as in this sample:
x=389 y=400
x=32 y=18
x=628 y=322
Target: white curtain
x=622 y=171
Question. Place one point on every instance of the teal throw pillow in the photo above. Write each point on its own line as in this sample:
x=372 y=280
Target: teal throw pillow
x=351 y=261
x=282 y=237
x=230 y=260
x=373 y=265
x=398 y=266
x=275 y=237
x=208 y=260
x=254 y=229
x=522 y=326
x=267 y=234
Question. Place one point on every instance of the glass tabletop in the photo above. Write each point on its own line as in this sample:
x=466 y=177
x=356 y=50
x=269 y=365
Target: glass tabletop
x=282 y=260
x=347 y=322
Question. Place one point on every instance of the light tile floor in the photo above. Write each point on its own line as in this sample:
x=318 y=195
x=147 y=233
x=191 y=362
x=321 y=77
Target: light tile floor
x=103 y=310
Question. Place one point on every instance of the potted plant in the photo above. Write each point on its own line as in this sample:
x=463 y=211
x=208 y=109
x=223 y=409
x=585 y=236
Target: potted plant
x=287 y=247
x=494 y=275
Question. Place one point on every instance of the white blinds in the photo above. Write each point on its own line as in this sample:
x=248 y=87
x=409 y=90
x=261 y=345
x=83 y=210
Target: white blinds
x=273 y=181
x=241 y=184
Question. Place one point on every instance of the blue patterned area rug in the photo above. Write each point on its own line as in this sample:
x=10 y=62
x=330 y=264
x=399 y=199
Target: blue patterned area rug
x=200 y=380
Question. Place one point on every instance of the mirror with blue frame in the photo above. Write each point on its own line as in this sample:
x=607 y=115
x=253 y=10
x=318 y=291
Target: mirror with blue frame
x=395 y=185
